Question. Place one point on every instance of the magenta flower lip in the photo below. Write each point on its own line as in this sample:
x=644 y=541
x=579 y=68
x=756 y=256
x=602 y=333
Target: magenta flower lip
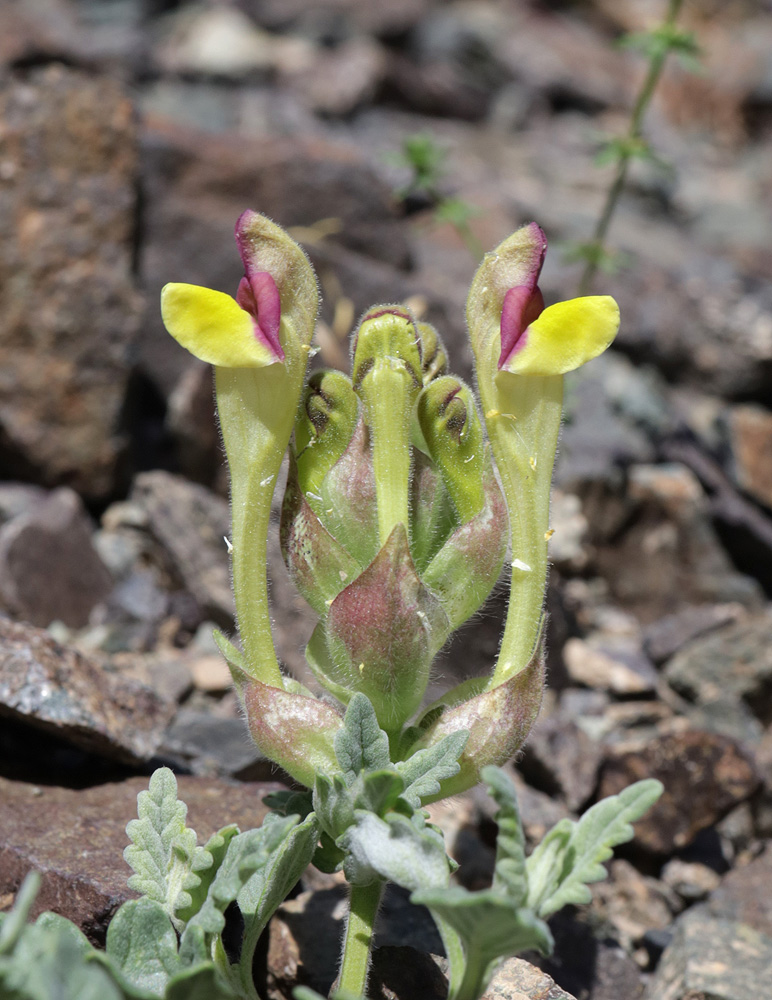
x=522 y=304
x=257 y=292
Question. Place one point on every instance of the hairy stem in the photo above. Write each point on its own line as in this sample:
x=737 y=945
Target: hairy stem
x=364 y=903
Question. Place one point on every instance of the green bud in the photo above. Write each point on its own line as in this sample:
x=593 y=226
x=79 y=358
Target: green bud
x=434 y=357
x=323 y=429
x=387 y=377
x=454 y=436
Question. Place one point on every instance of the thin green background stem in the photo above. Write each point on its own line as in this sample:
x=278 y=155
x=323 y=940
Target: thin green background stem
x=642 y=102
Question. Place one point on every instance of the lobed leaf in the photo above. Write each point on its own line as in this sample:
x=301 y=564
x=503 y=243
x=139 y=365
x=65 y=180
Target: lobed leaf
x=423 y=772
x=163 y=853
x=394 y=849
x=572 y=853
x=361 y=744
x=510 y=873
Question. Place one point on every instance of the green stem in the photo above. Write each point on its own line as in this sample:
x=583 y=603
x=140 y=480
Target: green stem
x=613 y=194
x=364 y=903
x=256 y=423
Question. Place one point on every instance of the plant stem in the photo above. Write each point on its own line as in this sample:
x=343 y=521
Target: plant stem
x=364 y=903
x=642 y=102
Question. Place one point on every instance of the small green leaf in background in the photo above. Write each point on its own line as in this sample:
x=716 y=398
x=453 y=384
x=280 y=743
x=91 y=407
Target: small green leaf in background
x=361 y=744
x=572 y=853
x=163 y=851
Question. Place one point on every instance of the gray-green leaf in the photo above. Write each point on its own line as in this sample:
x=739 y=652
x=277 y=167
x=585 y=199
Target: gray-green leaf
x=394 y=849
x=361 y=744
x=163 y=852
x=510 y=873
x=572 y=854
x=424 y=771
x=142 y=943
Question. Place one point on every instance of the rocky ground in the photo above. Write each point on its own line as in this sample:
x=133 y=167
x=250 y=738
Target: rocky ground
x=133 y=133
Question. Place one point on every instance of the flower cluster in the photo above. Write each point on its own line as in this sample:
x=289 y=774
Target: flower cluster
x=402 y=501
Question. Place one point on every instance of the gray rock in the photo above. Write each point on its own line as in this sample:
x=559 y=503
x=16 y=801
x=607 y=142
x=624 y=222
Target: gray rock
x=610 y=663
x=18 y=498
x=519 y=980
x=704 y=774
x=712 y=959
x=743 y=895
x=665 y=637
x=75 y=839
x=49 y=569
x=68 y=307
x=63 y=692
x=210 y=745
x=732 y=664
x=190 y=524
x=561 y=758
x=750 y=433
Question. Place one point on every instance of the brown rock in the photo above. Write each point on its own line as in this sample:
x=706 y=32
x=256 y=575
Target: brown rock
x=49 y=569
x=633 y=903
x=338 y=81
x=519 y=980
x=611 y=664
x=190 y=525
x=560 y=757
x=75 y=839
x=68 y=307
x=704 y=774
x=750 y=430
x=60 y=690
x=744 y=894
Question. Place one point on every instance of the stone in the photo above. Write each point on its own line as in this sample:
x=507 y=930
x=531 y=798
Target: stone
x=743 y=894
x=519 y=980
x=210 y=745
x=210 y=673
x=192 y=424
x=750 y=433
x=692 y=880
x=190 y=525
x=633 y=904
x=560 y=758
x=67 y=222
x=665 y=637
x=611 y=664
x=218 y=41
x=705 y=775
x=568 y=549
x=731 y=664
x=75 y=839
x=667 y=555
x=337 y=81
x=49 y=569
x=712 y=959
x=68 y=694
x=18 y=498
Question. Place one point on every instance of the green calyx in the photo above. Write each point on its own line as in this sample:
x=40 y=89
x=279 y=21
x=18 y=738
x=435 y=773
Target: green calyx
x=323 y=429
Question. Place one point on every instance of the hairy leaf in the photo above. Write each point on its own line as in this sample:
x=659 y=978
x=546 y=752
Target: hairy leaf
x=163 y=851
x=361 y=745
x=510 y=871
x=215 y=847
x=395 y=849
x=142 y=943
x=424 y=771
x=572 y=854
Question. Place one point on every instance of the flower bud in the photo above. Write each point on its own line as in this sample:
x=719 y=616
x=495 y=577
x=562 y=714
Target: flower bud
x=323 y=429
x=434 y=357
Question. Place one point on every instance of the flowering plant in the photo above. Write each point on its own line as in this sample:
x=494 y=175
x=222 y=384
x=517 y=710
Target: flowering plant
x=400 y=508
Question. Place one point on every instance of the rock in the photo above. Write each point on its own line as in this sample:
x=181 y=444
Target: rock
x=304 y=943
x=712 y=959
x=67 y=220
x=191 y=422
x=750 y=430
x=519 y=980
x=704 y=774
x=18 y=498
x=669 y=540
x=611 y=664
x=665 y=637
x=568 y=551
x=743 y=894
x=65 y=693
x=75 y=839
x=731 y=664
x=561 y=758
x=190 y=525
x=218 y=41
x=210 y=673
x=633 y=904
x=49 y=569
x=337 y=81
x=400 y=973
x=335 y=18
x=209 y=745
x=692 y=880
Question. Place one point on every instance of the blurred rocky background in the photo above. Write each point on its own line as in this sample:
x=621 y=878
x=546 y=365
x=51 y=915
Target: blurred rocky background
x=132 y=135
